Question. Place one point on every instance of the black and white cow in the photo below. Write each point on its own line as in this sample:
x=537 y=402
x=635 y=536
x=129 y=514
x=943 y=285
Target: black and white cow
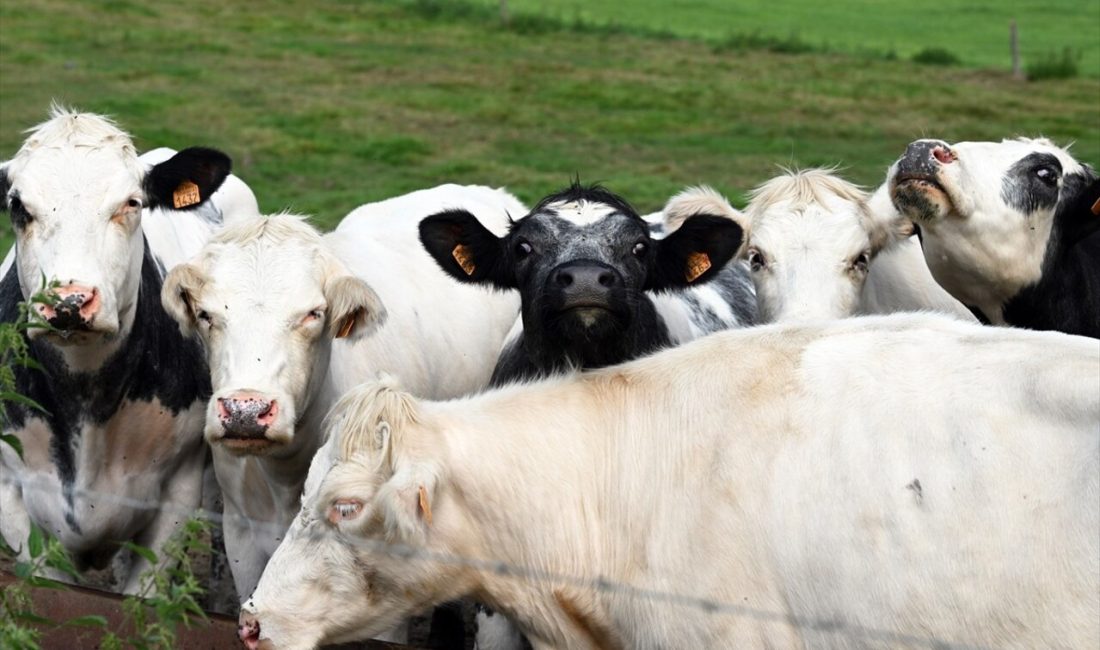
x=118 y=456
x=596 y=288
x=1008 y=228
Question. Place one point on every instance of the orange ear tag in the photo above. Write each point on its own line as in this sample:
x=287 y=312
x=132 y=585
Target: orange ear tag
x=425 y=506
x=1096 y=207
x=348 y=325
x=697 y=264
x=465 y=259
x=187 y=194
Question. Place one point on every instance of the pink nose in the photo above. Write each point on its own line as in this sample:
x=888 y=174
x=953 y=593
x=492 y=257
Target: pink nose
x=76 y=306
x=944 y=155
x=247 y=413
x=248 y=630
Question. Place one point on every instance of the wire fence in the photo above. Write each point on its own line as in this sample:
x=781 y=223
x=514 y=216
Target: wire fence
x=532 y=575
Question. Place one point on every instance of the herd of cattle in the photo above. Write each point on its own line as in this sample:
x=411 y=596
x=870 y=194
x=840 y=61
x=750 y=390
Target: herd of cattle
x=803 y=479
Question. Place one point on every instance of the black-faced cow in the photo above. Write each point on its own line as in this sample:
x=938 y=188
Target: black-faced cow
x=291 y=319
x=596 y=288
x=1008 y=228
x=122 y=390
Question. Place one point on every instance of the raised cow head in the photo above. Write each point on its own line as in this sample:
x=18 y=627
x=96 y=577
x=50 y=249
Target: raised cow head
x=581 y=261
x=985 y=210
x=267 y=298
x=76 y=192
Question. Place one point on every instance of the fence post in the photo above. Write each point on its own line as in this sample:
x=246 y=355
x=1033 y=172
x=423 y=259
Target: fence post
x=504 y=16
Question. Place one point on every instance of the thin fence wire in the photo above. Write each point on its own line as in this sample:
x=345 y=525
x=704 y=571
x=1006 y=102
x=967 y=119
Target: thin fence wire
x=599 y=584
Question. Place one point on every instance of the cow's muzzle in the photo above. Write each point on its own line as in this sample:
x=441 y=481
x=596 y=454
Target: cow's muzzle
x=73 y=309
x=247 y=415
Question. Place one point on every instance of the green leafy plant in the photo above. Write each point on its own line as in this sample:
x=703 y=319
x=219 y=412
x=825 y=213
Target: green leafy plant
x=15 y=353
x=1054 y=65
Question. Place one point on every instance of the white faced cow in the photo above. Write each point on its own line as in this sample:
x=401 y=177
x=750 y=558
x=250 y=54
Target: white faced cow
x=291 y=319
x=123 y=393
x=820 y=248
x=596 y=287
x=900 y=481
x=1009 y=228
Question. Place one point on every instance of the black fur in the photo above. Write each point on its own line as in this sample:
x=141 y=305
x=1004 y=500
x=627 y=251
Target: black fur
x=207 y=168
x=5 y=187
x=154 y=362
x=1067 y=296
x=1024 y=190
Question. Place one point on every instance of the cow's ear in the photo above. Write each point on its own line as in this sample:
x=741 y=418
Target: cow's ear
x=187 y=179
x=354 y=309
x=404 y=503
x=694 y=253
x=465 y=249
x=178 y=295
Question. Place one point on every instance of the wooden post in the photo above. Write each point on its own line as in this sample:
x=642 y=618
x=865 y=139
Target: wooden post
x=504 y=16
x=1014 y=48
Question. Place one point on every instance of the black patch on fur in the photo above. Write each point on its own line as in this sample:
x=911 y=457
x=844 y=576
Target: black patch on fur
x=1023 y=190
x=440 y=233
x=1067 y=296
x=204 y=167
x=718 y=237
x=155 y=361
x=5 y=187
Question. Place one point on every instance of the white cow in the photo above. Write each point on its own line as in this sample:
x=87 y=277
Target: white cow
x=906 y=480
x=123 y=393
x=819 y=248
x=291 y=319
x=1011 y=229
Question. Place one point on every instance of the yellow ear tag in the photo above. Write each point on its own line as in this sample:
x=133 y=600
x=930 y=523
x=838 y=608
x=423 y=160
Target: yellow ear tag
x=465 y=259
x=425 y=506
x=348 y=325
x=697 y=264
x=1096 y=207
x=187 y=194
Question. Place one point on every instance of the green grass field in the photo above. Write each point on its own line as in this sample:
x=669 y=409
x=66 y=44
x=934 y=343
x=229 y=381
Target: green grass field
x=976 y=31
x=328 y=107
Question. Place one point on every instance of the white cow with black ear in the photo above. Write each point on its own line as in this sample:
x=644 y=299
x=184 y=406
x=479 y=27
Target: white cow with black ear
x=1011 y=229
x=291 y=319
x=118 y=453
x=821 y=248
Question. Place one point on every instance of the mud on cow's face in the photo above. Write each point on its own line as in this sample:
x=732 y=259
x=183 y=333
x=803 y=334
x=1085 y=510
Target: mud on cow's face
x=581 y=259
x=985 y=209
x=359 y=558
x=76 y=192
x=267 y=299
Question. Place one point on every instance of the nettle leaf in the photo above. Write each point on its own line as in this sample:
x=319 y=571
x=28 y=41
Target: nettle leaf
x=45 y=583
x=36 y=541
x=91 y=620
x=143 y=551
x=14 y=442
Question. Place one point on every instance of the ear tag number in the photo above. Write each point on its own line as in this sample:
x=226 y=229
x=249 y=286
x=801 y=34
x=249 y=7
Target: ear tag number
x=187 y=194
x=465 y=259
x=697 y=264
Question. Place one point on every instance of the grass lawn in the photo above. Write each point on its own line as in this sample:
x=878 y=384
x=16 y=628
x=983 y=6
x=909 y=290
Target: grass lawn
x=976 y=31
x=327 y=107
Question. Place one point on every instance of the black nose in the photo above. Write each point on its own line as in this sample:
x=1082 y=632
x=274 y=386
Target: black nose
x=584 y=284
x=924 y=158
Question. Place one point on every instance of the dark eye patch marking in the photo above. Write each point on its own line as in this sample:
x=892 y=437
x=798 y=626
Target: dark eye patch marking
x=1023 y=187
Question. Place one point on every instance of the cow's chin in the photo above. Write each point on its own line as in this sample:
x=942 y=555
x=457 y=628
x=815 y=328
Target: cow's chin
x=272 y=442
x=73 y=338
x=920 y=198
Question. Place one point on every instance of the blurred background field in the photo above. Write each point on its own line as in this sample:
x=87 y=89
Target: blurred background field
x=329 y=104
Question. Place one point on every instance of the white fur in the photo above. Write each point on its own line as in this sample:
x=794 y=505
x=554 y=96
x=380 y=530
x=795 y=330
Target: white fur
x=901 y=481
x=438 y=336
x=806 y=229
x=982 y=250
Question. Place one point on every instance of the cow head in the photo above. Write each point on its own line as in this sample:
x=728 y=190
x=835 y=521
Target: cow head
x=811 y=239
x=581 y=261
x=76 y=191
x=267 y=298
x=985 y=210
x=353 y=563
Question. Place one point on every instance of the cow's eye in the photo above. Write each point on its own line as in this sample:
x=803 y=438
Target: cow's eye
x=344 y=509
x=204 y=316
x=640 y=249
x=19 y=215
x=523 y=249
x=1048 y=175
x=757 y=261
x=860 y=262
x=133 y=203
x=313 y=316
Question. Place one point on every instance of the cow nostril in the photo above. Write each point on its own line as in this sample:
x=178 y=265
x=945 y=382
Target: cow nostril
x=944 y=155
x=606 y=279
x=564 y=279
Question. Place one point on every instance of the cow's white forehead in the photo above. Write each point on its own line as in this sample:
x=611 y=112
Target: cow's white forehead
x=1006 y=152
x=581 y=213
